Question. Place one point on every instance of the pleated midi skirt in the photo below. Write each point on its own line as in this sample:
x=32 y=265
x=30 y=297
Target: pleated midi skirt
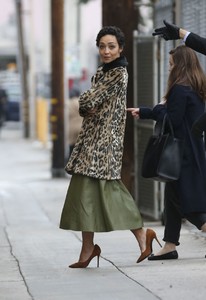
x=95 y=205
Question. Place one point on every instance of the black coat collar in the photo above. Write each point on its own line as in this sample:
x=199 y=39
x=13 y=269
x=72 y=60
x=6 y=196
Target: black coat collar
x=119 y=62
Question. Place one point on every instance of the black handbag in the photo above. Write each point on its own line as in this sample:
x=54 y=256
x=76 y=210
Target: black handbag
x=162 y=158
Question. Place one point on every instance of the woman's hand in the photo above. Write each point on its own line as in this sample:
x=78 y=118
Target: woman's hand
x=134 y=112
x=92 y=111
x=163 y=101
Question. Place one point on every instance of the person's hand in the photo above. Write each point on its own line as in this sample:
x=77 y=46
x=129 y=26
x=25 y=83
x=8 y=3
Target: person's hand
x=163 y=101
x=93 y=111
x=134 y=112
x=169 y=32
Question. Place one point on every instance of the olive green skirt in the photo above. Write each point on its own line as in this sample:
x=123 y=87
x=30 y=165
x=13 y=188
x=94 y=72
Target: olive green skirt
x=99 y=206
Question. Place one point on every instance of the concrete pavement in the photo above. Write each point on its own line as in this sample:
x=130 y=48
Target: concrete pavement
x=35 y=253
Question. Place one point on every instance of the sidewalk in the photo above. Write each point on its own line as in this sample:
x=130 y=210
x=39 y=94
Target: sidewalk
x=35 y=253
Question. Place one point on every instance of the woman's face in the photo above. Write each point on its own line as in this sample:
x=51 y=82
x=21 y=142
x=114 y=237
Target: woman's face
x=109 y=48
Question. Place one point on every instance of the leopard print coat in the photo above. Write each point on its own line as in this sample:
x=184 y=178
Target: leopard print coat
x=99 y=147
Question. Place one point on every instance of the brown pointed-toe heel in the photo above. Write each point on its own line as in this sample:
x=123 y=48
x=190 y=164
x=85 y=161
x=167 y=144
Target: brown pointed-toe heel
x=84 y=264
x=150 y=236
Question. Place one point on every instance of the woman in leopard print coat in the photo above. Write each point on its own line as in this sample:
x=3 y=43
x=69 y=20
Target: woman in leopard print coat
x=97 y=200
x=98 y=150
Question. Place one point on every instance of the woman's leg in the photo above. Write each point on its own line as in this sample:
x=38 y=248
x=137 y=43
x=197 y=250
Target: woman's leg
x=173 y=219
x=87 y=245
x=88 y=251
x=145 y=240
x=140 y=235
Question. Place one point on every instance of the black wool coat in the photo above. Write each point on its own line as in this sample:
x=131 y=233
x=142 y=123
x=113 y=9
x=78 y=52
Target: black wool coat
x=184 y=107
x=198 y=44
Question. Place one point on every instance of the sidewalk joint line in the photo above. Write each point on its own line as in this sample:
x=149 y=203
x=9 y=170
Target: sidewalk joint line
x=129 y=277
x=121 y=270
x=18 y=263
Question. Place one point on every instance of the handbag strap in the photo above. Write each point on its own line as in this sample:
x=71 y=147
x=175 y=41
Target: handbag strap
x=167 y=119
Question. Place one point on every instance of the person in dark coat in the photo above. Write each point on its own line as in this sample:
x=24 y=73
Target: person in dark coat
x=184 y=104
x=194 y=41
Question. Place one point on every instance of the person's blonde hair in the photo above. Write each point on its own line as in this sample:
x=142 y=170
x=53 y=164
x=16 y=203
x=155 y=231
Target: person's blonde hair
x=186 y=71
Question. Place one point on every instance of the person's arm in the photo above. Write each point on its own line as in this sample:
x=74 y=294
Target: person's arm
x=101 y=91
x=183 y=34
x=157 y=113
x=196 y=43
x=173 y=32
x=141 y=112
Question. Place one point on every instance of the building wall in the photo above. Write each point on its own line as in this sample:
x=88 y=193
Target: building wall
x=82 y=23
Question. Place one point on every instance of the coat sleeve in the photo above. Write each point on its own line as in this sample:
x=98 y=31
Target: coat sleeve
x=174 y=107
x=101 y=91
x=156 y=114
x=196 y=42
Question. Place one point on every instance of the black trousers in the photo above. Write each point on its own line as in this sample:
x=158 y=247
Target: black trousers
x=173 y=216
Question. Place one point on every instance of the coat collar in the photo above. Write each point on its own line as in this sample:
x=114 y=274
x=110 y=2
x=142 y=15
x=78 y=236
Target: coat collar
x=118 y=62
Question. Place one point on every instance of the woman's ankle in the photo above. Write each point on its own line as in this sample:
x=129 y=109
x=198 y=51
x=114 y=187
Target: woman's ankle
x=169 y=247
x=140 y=235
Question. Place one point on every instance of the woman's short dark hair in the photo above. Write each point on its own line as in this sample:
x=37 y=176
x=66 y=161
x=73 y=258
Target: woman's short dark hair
x=111 y=30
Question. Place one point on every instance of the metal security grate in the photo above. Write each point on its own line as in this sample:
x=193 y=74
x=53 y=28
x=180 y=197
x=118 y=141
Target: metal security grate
x=146 y=87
